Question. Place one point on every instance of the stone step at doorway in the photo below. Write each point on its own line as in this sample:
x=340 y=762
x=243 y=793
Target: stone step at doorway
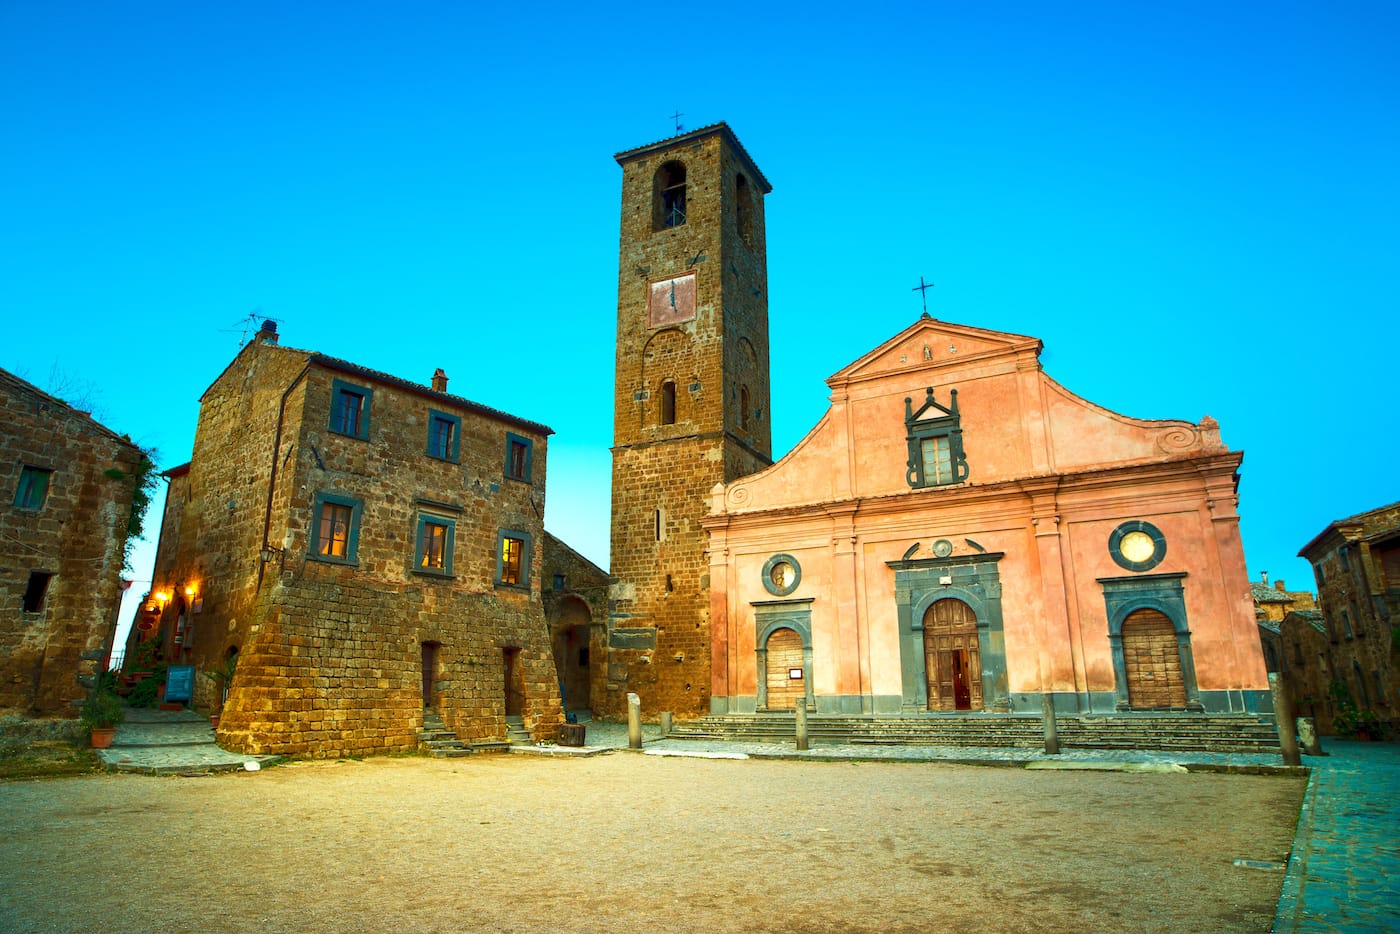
x=516 y=734
x=438 y=741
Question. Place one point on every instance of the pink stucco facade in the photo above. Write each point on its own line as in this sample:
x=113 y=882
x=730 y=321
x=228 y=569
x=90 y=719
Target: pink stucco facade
x=1026 y=542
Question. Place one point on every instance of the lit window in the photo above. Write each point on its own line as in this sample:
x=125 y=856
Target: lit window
x=519 y=453
x=511 y=567
x=37 y=590
x=443 y=435
x=934 y=435
x=33 y=487
x=335 y=530
x=350 y=409
x=434 y=550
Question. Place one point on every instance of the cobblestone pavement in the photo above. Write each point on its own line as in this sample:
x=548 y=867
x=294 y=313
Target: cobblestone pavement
x=171 y=742
x=1344 y=874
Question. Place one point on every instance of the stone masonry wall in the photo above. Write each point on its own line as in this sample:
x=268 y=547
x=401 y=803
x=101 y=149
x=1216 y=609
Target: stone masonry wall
x=77 y=534
x=659 y=631
x=330 y=653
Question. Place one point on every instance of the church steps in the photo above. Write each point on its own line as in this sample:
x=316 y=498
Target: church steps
x=1164 y=732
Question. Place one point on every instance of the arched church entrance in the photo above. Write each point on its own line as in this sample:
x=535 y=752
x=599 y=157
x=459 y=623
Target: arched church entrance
x=1151 y=661
x=786 y=680
x=952 y=657
x=571 y=656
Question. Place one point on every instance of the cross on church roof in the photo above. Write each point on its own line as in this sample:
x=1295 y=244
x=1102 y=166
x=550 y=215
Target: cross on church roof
x=677 y=117
x=923 y=288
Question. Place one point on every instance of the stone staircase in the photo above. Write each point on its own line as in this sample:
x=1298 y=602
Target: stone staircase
x=516 y=734
x=1166 y=731
x=437 y=740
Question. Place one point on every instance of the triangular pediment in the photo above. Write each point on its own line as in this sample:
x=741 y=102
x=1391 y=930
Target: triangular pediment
x=929 y=343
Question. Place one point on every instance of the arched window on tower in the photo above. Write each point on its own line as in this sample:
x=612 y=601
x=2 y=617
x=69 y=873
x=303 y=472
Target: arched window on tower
x=743 y=208
x=669 y=207
x=668 y=403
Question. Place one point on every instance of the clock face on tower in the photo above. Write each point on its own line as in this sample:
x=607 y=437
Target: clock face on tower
x=671 y=301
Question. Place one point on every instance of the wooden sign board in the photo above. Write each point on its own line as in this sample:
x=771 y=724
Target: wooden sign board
x=179 y=683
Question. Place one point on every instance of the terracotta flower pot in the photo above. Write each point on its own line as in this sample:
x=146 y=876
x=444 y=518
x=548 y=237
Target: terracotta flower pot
x=102 y=736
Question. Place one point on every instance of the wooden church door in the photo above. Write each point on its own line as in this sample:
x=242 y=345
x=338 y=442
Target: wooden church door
x=1152 y=661
x=786 y=684
x=952 y=657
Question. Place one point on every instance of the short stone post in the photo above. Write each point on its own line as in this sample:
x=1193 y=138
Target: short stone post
x=665 y=723
x=1047 y=719
x=1307 y=736
x=634 y=721
x=801 y=712
x=1287 y=740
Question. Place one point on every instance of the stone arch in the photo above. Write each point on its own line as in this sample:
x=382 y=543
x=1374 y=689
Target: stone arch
x=952 y=655
x=570 y=638
x=748 y=388
x=1163 y=594
x=665 y=355
x=668 y=195
x=771 y=617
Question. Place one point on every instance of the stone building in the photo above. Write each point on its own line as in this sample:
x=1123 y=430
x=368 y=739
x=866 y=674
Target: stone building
x=363 y=549
x=1305 y=665
x=1356 y=563
x=1271 y=605
x=68 y=495
x=691 y=401
x=575 y=593
x=960 y=532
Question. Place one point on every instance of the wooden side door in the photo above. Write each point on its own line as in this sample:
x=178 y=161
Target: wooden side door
x=952 y=657
x=1152 y=661
x=785 y=692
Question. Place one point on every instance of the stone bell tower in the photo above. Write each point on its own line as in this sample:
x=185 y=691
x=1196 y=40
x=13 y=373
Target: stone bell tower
x=691 y=406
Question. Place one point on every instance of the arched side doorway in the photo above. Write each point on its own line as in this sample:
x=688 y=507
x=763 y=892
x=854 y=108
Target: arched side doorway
x=952 y=657
x=786 y=674
x=1152 y=665
x=783 y=654
x=571 y=633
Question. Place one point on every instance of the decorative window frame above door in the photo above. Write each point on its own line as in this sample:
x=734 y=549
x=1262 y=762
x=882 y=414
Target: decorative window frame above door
x=939 y=425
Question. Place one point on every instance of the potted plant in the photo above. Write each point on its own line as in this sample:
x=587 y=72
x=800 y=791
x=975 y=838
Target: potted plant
x=100 y=714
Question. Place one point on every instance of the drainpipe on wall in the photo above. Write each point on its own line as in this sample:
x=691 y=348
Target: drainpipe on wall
x=272 y=474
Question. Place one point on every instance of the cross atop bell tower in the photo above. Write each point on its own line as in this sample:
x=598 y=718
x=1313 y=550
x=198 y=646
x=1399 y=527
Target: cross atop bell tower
x=691 y=399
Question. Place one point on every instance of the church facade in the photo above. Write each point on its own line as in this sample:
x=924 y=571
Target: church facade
x=959 y=533
x=962 y=533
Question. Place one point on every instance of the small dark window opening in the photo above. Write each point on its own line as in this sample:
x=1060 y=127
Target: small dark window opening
x=1346 y=625
x=743 y=208
x=1346 y=561
x=668 y=403
x=744 y=407
x=583 y=657
x=669 y=586
x=660 y=525
x=670 y=196
x=37 y=590
x=558 y=581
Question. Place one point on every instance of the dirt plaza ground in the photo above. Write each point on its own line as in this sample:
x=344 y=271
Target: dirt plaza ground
x=628 y=842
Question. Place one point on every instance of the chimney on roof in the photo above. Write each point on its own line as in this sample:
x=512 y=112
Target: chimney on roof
x=267 y=334
x=1264 y=576
x=439 y=380
x=1278 y=585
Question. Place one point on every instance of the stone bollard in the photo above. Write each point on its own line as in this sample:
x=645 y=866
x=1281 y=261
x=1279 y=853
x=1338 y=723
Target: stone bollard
x=1287 y=741
x=665 y=723
x=1047 y=717
x=1307 y=736
x=801 y=712
x=634 y=722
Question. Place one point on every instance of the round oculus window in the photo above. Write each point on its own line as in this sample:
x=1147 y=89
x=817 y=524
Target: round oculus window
x=1137 y=545
x=781 y=575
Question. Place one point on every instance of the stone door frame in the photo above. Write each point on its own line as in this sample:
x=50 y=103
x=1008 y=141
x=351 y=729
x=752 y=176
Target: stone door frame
x=769 y=616
x=975 y=580
x=1165 y=594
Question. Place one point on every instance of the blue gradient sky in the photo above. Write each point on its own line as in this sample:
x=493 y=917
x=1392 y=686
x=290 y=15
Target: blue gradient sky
x=1194 y=205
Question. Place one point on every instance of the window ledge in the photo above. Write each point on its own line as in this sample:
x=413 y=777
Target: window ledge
x=523 y=588
x=342 y=562
x=434 y=575
x=443 y=460
x=342 y=434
